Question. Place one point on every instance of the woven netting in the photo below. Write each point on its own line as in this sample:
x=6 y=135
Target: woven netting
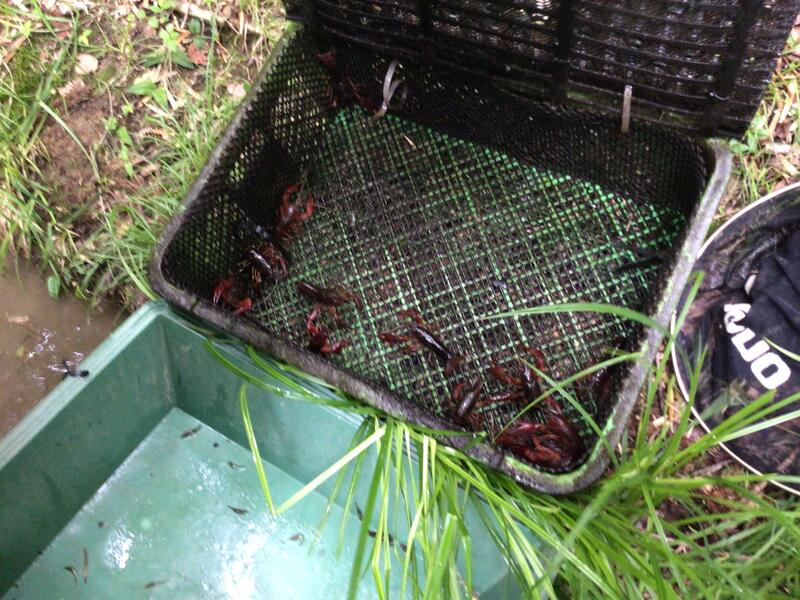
x=699 y=66
x=463 y=204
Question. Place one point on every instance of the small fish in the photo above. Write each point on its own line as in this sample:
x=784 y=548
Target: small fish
x=101 y=524
x=152 y=584
x=215 y=444
x=190 y=432
x=71 y=369
x=239 y=511
x=85 y=566
x=372 y=533
x=72 y=570
x=235 y=466
x=298 y=537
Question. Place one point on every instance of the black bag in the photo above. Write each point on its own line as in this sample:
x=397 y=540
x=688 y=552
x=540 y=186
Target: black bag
x=746 y=318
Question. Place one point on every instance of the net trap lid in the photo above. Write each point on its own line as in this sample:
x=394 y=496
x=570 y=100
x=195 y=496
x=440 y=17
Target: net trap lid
x=393 y=229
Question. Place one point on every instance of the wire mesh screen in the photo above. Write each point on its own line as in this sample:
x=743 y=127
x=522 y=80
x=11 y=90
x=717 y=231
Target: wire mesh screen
x=464 y=204
x=700 y=66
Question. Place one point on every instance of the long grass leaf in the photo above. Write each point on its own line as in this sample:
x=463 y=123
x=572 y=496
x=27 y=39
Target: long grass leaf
x=569 y=307
x=253 y=443
x=330 y=471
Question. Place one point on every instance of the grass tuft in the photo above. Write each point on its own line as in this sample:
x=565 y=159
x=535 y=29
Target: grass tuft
x=657 y=526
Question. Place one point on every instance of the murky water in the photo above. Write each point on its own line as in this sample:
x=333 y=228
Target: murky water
x=37 y=334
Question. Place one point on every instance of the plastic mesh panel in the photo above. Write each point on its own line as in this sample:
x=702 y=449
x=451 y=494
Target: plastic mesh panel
x=699 y=66
x=464 y=204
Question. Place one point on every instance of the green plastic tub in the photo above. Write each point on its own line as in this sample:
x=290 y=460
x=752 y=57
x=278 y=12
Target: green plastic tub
x=136 y=482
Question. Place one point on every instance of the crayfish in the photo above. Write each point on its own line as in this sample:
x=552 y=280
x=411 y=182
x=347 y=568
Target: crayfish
x=554 y=444
x=329 y=298
x=421 y=335
x=342 y=90
x=292 y=215
x=267 y=260
x=263 y=262
x=320 y=342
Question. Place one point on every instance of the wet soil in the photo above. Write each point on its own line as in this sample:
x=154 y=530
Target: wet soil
x=38 y=333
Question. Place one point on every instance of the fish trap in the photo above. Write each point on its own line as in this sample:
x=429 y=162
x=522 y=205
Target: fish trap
x=467 y=202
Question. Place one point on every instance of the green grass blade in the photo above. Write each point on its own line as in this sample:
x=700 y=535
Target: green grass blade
x=567 y=307
x=438 y=568
x=251 y=441
x=363 y=534
x=330 y=471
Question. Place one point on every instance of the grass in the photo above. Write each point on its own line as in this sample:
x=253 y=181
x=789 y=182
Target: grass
x=768 y=157
x=668 y=521
x=161 y=123
x=613 y=541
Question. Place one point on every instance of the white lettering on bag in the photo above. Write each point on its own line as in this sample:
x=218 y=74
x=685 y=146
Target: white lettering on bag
x=780 y=371
x=767 y=367
x=741 y=339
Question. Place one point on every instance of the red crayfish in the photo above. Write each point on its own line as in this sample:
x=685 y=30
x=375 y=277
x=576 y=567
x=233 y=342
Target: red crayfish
x=263 y=262
x=329 y=298
x=554 y=444
x=292 y=215
x=342 y=90
x=267 y=260
x=320 y=342
x=421 y=335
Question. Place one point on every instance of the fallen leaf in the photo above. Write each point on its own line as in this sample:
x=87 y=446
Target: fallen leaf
x=778 y=148
x=17 y=319
x=151 y=75
x=74 y=92
x=87 y=64
x=788 y=167
x=145 y=131
x=236 y=90
x=66 y=7
x=197 y=56
x=13 y=47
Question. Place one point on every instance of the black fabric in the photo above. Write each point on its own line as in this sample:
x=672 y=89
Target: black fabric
x=747 y=320
x=771 y=311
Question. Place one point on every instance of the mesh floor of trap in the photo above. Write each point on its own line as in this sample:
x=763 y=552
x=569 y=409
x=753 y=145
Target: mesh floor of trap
x=409 y=218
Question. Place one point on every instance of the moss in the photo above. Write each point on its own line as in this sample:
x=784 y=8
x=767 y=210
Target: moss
x=27 y=70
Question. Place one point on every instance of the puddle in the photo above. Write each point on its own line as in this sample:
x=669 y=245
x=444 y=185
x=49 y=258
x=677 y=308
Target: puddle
x=37 y=334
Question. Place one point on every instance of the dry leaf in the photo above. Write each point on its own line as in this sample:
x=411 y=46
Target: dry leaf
x=87 y=64
x=154 y=75
x=236 y=90
x=778 y=148
x=13 y=47
x=788 y=167
x=17 y=319
x=144 y=131
x=74 y=91
x=197 y=56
